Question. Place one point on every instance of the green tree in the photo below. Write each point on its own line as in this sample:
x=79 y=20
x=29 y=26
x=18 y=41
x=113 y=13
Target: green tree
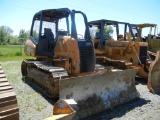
x=108 y=31
x=14 y=40
x=35 y=34
x=5 y=34
x=23 y=35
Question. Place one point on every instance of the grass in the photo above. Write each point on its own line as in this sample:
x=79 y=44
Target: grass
x=31 y=104
x=12 y=52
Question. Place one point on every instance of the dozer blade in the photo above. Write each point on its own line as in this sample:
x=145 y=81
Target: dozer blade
x=99 y=91
x=154 y=74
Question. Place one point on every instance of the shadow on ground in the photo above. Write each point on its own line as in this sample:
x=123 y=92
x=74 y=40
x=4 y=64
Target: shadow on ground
x=141 y=80
x=158 y=93
x=40 y=90
x=119 y=111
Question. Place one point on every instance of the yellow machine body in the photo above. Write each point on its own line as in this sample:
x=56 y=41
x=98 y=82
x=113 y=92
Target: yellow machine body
x=152 y=39
x=62 y=50
x=65 y=67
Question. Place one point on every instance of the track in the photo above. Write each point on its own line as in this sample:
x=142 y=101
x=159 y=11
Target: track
x=119 y=64
x=8 y=102
x=152 y=54
x=45 y=75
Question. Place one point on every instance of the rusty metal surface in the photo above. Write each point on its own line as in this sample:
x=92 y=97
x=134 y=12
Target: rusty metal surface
x=14 y=116
x=97 y=92
x=119 y=64
x=152 y=54
x=8 y=103
x=44 y=75
x=63 y=110
x=154 y=74
x=63 y=107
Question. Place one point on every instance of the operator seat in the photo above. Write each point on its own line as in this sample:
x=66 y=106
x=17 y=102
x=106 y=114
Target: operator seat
x=98 y=35
x=120 y=37
x=49 y=38
x=48 y=34
x=97 y=40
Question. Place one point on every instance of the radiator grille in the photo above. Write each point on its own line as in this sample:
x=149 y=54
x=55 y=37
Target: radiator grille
x=143 y=54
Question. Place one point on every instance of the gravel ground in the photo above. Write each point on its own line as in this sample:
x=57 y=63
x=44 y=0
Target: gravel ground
x=147 y=107
x=32 y=105
x=35 y=106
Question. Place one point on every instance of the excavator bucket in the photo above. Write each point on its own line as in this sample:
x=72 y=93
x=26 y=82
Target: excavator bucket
x=97 y=92
x=154 y=74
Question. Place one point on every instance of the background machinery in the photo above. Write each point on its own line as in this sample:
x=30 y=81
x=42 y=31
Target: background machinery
x=126 y=49
x=152 y=39
x=65 y=66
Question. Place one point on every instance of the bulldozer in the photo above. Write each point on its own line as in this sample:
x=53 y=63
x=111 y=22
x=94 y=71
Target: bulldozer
x=152 y=39
x=65 y=67
x=8 y=102
x=127 y=48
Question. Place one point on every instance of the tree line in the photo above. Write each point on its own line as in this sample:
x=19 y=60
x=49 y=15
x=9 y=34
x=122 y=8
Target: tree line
x=7 y=37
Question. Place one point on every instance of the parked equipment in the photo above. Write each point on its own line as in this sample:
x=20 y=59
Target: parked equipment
x=152 y=39
x=65 y=67
x=8 y=103
x=127 y=49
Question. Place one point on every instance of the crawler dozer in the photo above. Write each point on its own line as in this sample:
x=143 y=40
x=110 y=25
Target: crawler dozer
x=126 y=49
x=65 y=67
x=152 y=39
x=8 y=103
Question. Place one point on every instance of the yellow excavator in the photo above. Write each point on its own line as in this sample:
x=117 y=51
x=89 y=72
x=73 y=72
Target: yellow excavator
x=127 y=48
x=65 y=67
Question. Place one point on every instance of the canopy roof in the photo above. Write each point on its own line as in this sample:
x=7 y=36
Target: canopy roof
x=52 y=14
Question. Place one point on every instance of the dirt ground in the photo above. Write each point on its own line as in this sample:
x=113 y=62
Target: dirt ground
x=36 y=106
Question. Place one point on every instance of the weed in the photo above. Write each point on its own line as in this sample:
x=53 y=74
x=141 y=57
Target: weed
x=38 y=108
x=12 y=52
x=18 y=54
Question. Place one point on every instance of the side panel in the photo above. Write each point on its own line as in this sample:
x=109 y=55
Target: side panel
x=116 y=49
x=67 y=47
x=98 y=92
x=30 y=48
x=155 y=45
x=96 y=45
x=123 y=50
x=141 y=49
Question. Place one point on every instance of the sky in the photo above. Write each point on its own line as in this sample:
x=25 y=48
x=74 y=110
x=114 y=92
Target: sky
x=18 y=14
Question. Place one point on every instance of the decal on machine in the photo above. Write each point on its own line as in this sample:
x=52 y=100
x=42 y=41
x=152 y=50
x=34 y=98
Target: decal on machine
x=28 y=49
